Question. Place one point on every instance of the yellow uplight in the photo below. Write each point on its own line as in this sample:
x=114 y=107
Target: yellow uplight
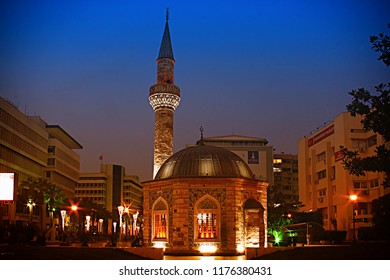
x=207 y=248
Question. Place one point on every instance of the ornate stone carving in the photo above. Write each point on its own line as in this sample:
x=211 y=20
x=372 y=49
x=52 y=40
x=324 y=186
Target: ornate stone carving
x=164 y=100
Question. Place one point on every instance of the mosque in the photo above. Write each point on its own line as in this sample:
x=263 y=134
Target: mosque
x=203 y=199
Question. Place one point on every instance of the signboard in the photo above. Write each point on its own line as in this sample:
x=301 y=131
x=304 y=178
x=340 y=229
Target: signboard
x=7 y=186
x=320 y=136
x=339 y=155
x=253 y=157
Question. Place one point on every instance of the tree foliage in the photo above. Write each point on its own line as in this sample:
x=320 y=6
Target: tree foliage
x=375 y=112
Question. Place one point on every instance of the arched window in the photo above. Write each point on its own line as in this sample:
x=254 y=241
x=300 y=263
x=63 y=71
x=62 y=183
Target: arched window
x=160 y=220
x=207 y=215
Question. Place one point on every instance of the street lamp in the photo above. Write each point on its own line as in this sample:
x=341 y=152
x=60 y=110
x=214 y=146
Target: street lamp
x=114 y=224
x=120 y=210
x=101 y=226
x=87 y=220
x=135 y=217
x=63 y=213
x=30 y=205
x=353 y=198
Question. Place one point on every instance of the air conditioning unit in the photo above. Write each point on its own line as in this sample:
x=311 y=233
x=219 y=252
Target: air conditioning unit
x=316 y=181
x=364 y=192
x=321 y=199
x=362 y=150
x=331 y=177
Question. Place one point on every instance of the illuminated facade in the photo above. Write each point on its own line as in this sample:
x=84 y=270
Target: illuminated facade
x=324 y=183
x=164 y=97
x=204 y=199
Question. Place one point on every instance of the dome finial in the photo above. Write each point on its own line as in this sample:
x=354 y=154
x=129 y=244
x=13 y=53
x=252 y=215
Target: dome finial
x=201 y=135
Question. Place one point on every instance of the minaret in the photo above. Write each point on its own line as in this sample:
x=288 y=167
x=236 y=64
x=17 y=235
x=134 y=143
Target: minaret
x=164 y=97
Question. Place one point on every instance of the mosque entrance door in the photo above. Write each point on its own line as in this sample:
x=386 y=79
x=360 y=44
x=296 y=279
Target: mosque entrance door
x=254 y=223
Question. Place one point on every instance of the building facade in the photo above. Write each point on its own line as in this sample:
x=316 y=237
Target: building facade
x=204 y=199
x=164 y=97
x=30 y=148
x=325 y=185
x=285 y=188
x=254 y=151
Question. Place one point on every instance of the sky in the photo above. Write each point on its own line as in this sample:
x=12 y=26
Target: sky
x=270 y=69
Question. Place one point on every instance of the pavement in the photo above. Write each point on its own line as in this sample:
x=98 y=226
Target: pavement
x=65 y=253
x=359 y=251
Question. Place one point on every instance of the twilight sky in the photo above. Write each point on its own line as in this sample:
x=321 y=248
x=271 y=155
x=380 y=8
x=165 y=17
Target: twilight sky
x=272 y=69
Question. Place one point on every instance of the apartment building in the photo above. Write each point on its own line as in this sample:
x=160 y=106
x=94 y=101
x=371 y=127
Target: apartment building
x=324 y=184
x=285 y=187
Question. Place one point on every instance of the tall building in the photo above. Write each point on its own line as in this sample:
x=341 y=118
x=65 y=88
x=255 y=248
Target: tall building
x=325 y=185
x=164 y=97
x=285 y=187
x=252 y=150
x=110 y=188
x=30 y=148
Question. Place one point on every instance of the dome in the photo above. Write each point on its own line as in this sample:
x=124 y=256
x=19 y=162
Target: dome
x=204 y=161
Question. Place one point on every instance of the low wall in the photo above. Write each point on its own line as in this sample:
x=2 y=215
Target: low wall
x=151 y=253
x=251 y=253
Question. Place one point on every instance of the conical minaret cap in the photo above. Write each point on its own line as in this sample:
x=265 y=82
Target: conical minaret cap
x=166 y=45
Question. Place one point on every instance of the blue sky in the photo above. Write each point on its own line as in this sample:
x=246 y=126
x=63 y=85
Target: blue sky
x=271 y=69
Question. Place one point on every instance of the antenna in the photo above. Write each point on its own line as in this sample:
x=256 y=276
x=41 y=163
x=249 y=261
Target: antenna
x=167 y=15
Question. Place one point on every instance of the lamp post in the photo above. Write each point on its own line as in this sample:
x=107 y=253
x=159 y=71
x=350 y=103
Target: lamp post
x=30 y=205
x=87 y=220
x=63 y=214
x=101 y=226
x=353 y=198
x=120 y=211
x=114 y=224
x=135 y=217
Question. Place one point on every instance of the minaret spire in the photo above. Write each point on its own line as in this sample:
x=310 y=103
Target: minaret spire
x=166 y=44
x=164 y=97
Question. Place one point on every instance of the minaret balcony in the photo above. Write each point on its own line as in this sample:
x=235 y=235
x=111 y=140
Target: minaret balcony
x=164 y=101
x=164 y=88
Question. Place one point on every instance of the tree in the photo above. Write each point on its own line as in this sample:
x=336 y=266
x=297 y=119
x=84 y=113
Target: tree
x=31 y=193
x=54 y=199
x=375 y=112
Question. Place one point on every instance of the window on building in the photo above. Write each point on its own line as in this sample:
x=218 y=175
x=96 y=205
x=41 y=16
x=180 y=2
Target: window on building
x=360 y=185
x=374 y=183
x=160 y=220
x=207 y=221
x=51 y=161
x=359 y=143
x=277 y=161
x=207 y=225
x=371 y=141
x=51 y=150
x=322 y=192
x=321 y=174
x=160 y=226
x=321 y=157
